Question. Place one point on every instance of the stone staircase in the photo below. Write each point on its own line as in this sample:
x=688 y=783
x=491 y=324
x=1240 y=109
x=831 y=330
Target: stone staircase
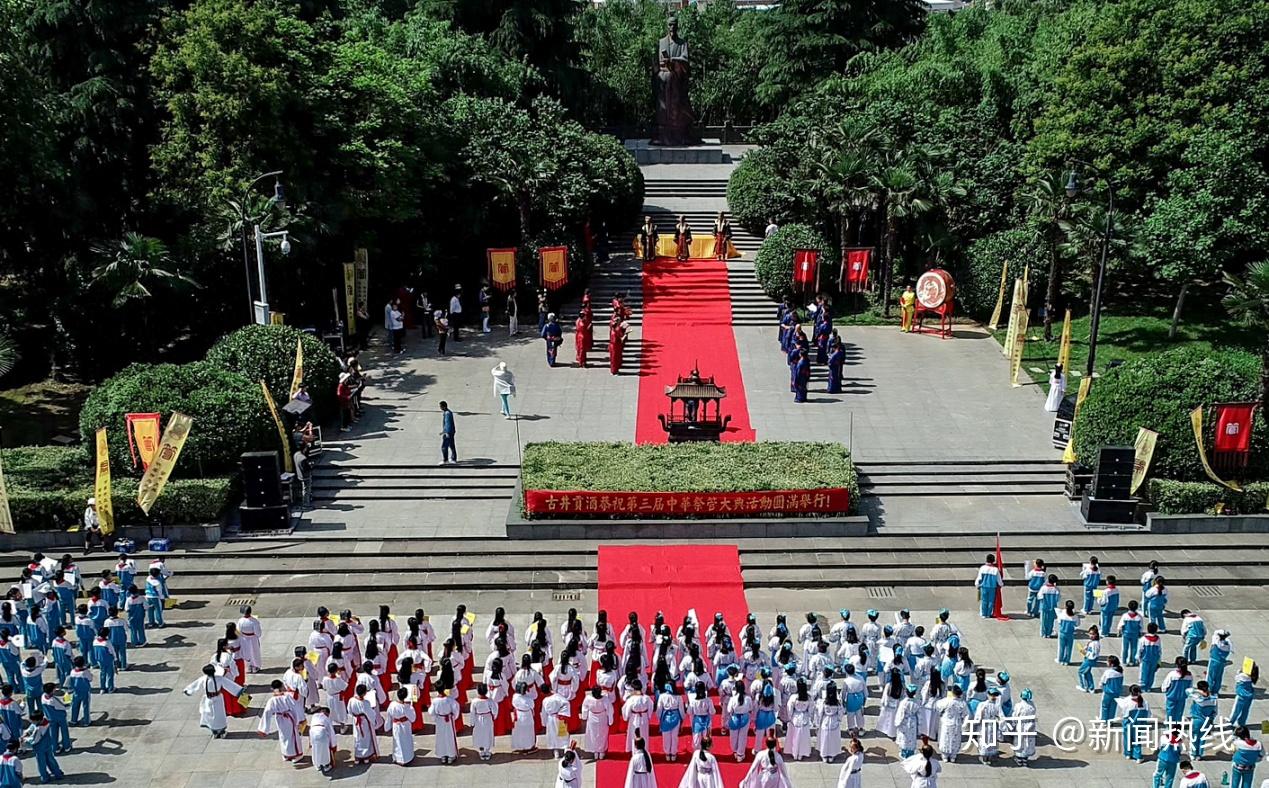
x=960 y=478
x=340 y=482
x=750 y=306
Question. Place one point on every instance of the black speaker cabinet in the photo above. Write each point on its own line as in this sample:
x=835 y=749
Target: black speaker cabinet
x=264 y=518
x=261 y=483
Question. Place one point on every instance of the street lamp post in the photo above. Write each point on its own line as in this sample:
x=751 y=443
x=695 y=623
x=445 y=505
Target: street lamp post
x=260 y=309
x=243 y=221
x=1095 y=319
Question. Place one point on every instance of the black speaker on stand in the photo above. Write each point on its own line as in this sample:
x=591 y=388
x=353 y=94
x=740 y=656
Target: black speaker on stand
x=263 y=509
x=1109 y=500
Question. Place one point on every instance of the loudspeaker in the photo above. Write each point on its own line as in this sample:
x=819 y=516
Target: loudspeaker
x=1112 y=478
x=260 y=478
x=264 y=518
x=1098 y=510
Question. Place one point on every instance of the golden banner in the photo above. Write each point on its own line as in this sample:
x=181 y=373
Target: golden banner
x=156 y=476
x=6 y=519
x=350 y=297
x=1000 y=299
x=1019 y=345
x=1007 y=349
x=277 y=422
x=297 y=378
x=1196 y=421
x=1068 y=456
x=105 y=505
x=1143 y=452
x=145 y=433
x=502 y=268
x=1064 y=349
x=554 y=266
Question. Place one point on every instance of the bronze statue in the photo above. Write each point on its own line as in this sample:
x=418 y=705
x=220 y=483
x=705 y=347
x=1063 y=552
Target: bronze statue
x=674 y=108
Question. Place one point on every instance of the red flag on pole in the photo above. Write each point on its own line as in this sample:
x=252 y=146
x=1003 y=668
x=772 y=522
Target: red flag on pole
x=998 y=612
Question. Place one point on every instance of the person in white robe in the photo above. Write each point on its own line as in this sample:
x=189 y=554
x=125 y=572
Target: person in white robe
x=639 y=773
x=364 y=711
x=555 y=713
x=249 y=632
x=295 y=683
x=446 y=715
x=828 y=718
x=670 y=721
x=322 y=740
x=700 y=712
x=524 y=737
x=953 y=713
x=211 y=703
x=598 y=714
x=852 y=775
x=283 y=713
x=483 y=713
x=801 y=713
x=569 y=772
x=1057 y=389
x=331 y=694
x=988 y=717
x=768 y=769
x=923 y=768
x=702 y=769
x=1024 y=728
x=739 y=721
x=320 y=641
x=636 y=710
x=931 y=694
x=399 y=722
x=907 y=723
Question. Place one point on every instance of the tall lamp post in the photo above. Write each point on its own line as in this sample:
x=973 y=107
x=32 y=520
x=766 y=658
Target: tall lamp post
x=243 y=220
x=260 y=309
x=1073 y=188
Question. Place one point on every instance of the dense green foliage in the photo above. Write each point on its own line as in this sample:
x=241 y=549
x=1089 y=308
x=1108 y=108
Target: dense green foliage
x=1173 y=497
x=183 y=501
x=1158 y=391
x=46 y=467
x=228 y=410
x=774 y=264
x=760 y=190
x=688 y=467
x=1166 y=99
x=268 y=353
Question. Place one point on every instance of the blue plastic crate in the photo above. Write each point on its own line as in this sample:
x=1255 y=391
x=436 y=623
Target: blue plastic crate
x=123 y=545
x=161 y=545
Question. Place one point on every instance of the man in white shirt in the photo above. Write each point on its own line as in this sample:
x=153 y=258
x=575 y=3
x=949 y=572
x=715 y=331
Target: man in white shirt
x=456 y=312
x=771 y=228
x=92 y=526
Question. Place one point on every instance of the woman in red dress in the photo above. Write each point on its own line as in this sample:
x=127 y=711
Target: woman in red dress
x=224 y=660
x=413 y=683
x=500 y=693
x=390 y=635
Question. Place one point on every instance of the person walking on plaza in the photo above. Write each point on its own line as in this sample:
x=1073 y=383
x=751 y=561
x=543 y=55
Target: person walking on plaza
x=486 y=308
x=584 y=335
x=449 y=453
x=513 y=313
x=988 y=580
x=554 y=336
x=394 y=322
x=544 y=309
x=456 y=313
x=504 y=386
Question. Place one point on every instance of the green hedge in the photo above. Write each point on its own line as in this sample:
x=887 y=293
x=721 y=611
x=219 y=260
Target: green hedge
x=688 y=467
x=774 y=264
x=229 y=413
x=183 y=501
x=268 y=353
x=1158 y=391
x=978 y=279
x=1172 y=497
x=47 y=467
x=760 y=189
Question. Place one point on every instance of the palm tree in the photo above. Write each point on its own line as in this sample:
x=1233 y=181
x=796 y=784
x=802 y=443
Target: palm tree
x=137 y=264
x=842 y=169
x=1046 y=200
x=9 y=354
x=898 y=189
x=1248 y=301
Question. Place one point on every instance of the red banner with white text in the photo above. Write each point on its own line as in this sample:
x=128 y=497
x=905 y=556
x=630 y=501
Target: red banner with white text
x=806 y=269
x=855 y=269
x=832 y=500
x=1234 y=421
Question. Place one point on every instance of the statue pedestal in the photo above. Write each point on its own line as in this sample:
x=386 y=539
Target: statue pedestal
x=708 y=152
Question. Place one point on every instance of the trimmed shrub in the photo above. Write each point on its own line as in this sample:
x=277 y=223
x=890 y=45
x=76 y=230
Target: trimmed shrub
x=978 y=281
x=1173 y=497
x=774 y=264
x=184 y=501
x=760 y=189
x=1158 y=391
x=47 y=467
x=229 y=413
x=268 y=353
x=688 y=467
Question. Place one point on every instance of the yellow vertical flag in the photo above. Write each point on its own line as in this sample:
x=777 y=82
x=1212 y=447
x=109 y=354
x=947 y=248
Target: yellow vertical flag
x=277 y=421
x=297 y=379
x=1026 y=284
x=1019 y=345
x=1196 y=421
x=361 y=288
x=1143 y=452
x=1068 y=456
x=350 y=297
x=101 y=491
x=6 y=519
x=1007 y=349
x=1000 y=298
x=156 y=476
x=1064 y=349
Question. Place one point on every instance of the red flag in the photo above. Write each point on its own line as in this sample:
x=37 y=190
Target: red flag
x=998 y=611
x=806 y=263
x=855 y=269
x=1233 y=427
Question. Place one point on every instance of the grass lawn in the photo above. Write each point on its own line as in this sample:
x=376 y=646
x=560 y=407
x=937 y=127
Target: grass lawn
x=34 y=413
x=1122 y=338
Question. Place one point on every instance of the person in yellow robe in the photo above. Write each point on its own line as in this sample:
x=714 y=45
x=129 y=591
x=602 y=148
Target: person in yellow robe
x=907 y=308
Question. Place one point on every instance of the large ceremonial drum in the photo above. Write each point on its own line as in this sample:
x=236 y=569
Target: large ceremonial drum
x=935 y=288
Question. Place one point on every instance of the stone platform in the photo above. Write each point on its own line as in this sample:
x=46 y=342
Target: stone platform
x=710 y=151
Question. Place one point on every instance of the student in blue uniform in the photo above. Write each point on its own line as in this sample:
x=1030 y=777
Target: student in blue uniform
x=1112 y=684
x=1150 y=651
x=80 y=684
x=1170 y=746
x=33 y=681
x=39 y=737
x=117 y=634
x=1068 y=619
x=1157 y=604
x=1247 y=753
x=987 y=582
x=1091 y=652
x=10 y=712
x=10 y=658
x=1193 y=632
x=1130 y=624
x=106 y=660
x=63 y=654
x=66 y=588
x=1091 y=576
x=1202 y=717
x=1244 y=693
x=1176 y=688
x=84 y=633
x=1109 y=606
x=135 y=606
x=155 y=593
x=1217 y=658
x=55 y=710
x=11 y=766
x=52 y=613
x=1036 y=576
x=1049 y=598
x=98 y=610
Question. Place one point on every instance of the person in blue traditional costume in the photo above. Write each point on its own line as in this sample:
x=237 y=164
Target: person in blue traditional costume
x=801 y=375
x=836 y=360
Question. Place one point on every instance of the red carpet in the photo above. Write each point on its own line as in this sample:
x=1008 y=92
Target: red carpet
x=687 y=322
x=670 y=579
